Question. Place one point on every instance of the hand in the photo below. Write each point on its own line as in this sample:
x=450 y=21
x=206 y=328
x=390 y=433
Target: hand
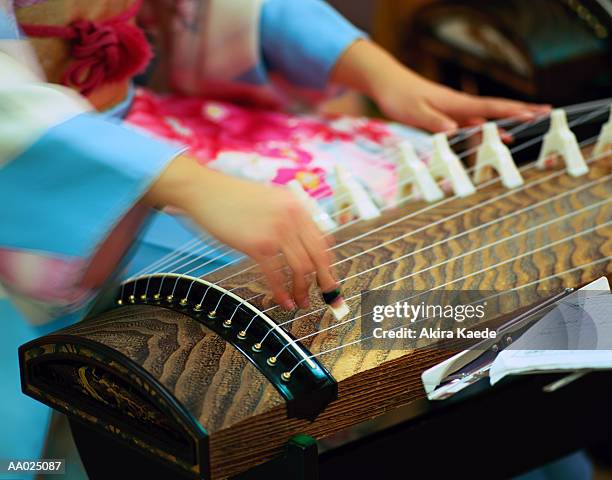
x=406 y=97
x=260 y=221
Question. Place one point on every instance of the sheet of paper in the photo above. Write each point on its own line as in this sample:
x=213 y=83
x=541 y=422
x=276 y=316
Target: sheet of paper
x=577 y=335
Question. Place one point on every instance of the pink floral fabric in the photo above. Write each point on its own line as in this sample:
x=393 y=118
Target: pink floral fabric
x=273 y=146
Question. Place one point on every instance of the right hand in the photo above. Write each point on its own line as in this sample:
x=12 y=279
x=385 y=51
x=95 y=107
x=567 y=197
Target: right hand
x=260 y=221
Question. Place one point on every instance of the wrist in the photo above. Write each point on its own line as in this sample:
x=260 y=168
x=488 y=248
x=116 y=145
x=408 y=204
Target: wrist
x=177 y=184
x=367 y=68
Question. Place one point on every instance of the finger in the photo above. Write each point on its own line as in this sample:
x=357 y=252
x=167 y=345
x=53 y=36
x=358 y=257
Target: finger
x=272 y=268
x=539 y=108
x=316 y=248
x=491 y=107
x=433 y=120
x=473 y=122
x=330 y=241
x=301 y=265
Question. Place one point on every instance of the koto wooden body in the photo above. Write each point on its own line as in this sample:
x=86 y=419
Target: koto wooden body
x=245 y=416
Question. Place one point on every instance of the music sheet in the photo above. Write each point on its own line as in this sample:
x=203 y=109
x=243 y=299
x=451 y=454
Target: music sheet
x=575 y=336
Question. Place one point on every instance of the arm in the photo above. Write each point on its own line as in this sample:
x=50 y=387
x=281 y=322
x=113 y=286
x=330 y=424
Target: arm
x=260 y=221
x=407 y=97
x=263 y=49
x=70 y=186
x=302 y=41
x=75 y=187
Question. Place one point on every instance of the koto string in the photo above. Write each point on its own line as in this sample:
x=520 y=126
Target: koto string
x=474 y=129
x=227 y=252
x=156 y=264
x=425 y=248
x=466 y=133
x=505 y=217
x=462 y=135
x=170 y=259
x=603 y=104
x=544 y=247
x=185 y=247
x=454 y=237
x=410 y=215
x=456 y=215
x=182 y=249
x=470 y=252
x=200 y=248
x=471 y=131
x=472 y=230
x=549 y=277
x=434 y=205
x=510 y=192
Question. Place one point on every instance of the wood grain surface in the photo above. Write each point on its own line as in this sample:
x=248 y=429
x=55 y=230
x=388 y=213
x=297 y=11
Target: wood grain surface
x=245 y=416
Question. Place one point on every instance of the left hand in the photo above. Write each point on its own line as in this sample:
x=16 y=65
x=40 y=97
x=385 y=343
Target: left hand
x=406 y=97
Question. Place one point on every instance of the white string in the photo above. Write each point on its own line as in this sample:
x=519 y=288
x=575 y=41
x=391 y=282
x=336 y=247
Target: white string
x=463 y=134
x=181 y=249
x=477 y=273
x=337 y=214
x=185 y=248
x=204 y=246
x=397 y=238
x=440 y=242
x=471 y=252
x=440 y=221
x=553 y=276
x=472 y=230
x=473 y=130
x=580 y=120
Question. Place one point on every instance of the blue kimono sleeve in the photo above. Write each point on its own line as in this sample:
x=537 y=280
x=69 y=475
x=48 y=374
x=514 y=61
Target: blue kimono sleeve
x=70 y=187
x=303 y=39
x=68 y=179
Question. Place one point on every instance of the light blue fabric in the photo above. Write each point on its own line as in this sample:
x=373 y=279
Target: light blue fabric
x=63 y=195
x=165 y=234
x=122 y=108
x=69 y=189
x=24 y=420
x=8 y=28
x=303 y=39
x=258 y=75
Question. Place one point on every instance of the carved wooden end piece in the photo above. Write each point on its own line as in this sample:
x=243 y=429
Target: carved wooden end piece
x=134 y=375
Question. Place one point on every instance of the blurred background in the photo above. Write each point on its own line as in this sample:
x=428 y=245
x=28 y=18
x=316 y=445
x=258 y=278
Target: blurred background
x=544 y=51
x=550 y=51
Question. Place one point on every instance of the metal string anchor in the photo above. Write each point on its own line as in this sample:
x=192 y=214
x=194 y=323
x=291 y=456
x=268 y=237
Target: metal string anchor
x=336 y=303
x=561 y=141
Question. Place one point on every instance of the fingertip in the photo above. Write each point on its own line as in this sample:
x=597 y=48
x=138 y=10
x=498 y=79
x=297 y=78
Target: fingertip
x=327 y=282
x=288 y=304
x=442 y=125
x=449 y=127
x=541 y=107
x=329 y=240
